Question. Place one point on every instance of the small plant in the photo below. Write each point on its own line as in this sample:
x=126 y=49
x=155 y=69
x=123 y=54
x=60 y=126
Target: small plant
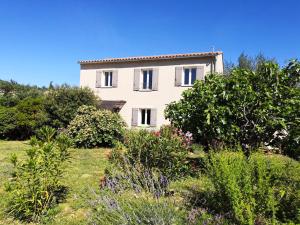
x=36 y=180
x=94 y=128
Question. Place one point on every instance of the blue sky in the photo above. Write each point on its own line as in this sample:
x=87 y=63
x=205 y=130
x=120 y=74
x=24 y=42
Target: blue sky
x=41 y=41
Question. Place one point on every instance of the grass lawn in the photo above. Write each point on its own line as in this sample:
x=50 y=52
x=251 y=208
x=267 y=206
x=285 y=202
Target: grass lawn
x=83 y=173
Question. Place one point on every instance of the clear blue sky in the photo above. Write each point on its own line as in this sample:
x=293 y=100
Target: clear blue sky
x=42 y=40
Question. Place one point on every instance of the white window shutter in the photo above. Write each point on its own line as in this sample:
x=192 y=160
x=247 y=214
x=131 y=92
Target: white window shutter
x=98 y=78
x=153 y=117
x=115 y=78
x=136 y=79
x=155 y=79
x=200 y=72
x=135 y=116
x=178 y=76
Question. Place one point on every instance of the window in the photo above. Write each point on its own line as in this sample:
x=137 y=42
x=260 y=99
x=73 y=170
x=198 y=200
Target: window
x=147 y=79
x=145 y=117
x=108 y=79
x=189 y=76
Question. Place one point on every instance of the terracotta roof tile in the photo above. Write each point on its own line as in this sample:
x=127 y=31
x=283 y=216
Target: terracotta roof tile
x=151 y=58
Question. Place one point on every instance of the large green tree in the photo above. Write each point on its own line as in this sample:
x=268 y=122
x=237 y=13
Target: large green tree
x=62 y=103
x=247 y=108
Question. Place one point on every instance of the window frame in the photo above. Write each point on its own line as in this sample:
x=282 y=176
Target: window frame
x=110 y=79
x=140 y=117
x=190 y=83
x=148 y=82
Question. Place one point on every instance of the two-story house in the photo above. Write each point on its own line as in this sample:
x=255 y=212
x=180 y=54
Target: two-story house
x=139 y=88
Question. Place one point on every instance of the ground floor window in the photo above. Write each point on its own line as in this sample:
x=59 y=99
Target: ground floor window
x=145 y=116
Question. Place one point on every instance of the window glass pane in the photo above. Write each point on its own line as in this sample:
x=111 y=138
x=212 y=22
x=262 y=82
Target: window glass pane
x=186 y=76
x=144 y=79
x=106 y=79
x=148 y=116
x=143 y=112
x=193 y=75
x=110 y=79
x=150 y=79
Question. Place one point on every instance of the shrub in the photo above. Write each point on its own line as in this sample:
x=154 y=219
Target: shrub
x=35 y=185
x=7 y=122
x=255 y=189
x=22 y=120
x=246 y=108
x=109 y=208
x=125 y=176
x=165 y=150
x=93 y=128
x=62 y=103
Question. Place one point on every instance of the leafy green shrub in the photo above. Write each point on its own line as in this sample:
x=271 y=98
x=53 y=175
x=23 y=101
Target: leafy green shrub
x=21 y=121
x=7 y=122
x=245 y=109
x=62 y=103
x=164 y=150
x=255 y=189
x=93 y=128
x=36 y=180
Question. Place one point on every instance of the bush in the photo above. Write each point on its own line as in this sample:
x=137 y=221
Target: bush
x=35 y=185
x=245 y=109
x=109 y=208
x=94 y=128
x=164 y=150
x=62 y=102
x=255 y=189
x=22 y=120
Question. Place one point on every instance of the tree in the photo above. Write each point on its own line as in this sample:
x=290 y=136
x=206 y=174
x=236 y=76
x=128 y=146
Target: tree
x=62 y=102
x=246 y=108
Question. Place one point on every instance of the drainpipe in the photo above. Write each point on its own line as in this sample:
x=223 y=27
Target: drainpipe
x=213 y=65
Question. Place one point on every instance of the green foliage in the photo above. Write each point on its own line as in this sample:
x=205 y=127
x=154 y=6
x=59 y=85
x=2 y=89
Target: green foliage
x=255 y=189
x=24 y=108
x=35 y=185
x=164 y=150
x=93 y=128
x=22 y=120
x=245 y=109
x=62 y=102
x=11 y=93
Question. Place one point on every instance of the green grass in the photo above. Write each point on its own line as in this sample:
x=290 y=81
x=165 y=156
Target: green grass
x=83 y=174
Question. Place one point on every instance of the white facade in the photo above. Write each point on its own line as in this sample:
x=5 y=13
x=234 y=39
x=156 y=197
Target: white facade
x=147 y=84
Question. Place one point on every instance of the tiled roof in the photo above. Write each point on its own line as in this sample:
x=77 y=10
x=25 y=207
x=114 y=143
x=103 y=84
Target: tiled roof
x=152 y=58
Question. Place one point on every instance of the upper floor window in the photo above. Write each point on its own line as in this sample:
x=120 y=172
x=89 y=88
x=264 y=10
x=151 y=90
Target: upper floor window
x=147 y=79
x=189 y=76
x=108 y=78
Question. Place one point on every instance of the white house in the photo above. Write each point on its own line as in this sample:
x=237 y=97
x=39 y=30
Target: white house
x=139 y=88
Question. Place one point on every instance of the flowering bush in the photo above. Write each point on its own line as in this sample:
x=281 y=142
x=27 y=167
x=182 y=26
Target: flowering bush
x=93 y=128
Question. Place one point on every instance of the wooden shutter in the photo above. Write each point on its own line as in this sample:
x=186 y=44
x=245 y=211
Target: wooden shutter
x=155 y=79
x=135 y=116
x=178 y=76
x=200 y=72
x=98 y=78
x=153 y=118
x=115 y=78
x=136 y=79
